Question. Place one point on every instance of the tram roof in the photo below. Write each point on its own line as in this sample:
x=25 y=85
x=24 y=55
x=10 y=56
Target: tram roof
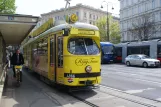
x=106 y=43
x=120 y=44
x=143 y=43
x=60 y=27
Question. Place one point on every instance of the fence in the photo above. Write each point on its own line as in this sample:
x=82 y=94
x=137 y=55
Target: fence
x=2 y=79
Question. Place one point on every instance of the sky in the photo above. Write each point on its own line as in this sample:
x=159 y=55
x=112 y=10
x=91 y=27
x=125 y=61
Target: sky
x=38 y=7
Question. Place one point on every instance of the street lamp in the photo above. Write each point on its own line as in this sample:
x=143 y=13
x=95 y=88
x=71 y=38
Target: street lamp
x=108 y=29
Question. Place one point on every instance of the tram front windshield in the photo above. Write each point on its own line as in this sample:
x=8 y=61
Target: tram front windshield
x=82 y=46
x=108 y=49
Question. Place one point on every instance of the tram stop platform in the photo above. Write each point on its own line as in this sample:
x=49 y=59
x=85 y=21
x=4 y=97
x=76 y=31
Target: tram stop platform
x=31 y=93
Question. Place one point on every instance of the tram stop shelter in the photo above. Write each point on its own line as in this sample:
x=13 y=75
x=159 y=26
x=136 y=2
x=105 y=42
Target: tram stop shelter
x=13 y=30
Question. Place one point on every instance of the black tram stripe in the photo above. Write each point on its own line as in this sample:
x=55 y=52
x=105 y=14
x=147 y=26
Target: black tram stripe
x=83 y=75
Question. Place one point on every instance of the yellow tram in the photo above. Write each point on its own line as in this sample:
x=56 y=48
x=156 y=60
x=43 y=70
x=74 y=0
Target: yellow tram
x=66 y=54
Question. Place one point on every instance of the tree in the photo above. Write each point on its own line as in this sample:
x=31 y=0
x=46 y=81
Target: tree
x=114 y=33
x=115 y=36
x=144 y=28
x=7 y=7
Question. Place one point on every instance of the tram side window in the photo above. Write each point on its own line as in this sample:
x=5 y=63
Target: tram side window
x=159 y=51
x=52 y=43
x=133 y=50
x=128 y=51
x=60 y=52
x=42 y=47
x=119 y=51
x=145 y=50
x=34 y=50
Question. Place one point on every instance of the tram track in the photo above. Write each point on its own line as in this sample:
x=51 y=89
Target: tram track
x=90 y=103
x=128 y=99
x=145 y=104
x=83 y=100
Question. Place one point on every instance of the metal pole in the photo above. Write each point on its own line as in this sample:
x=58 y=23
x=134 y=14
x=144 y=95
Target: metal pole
x=66 y=8
x=107 y=24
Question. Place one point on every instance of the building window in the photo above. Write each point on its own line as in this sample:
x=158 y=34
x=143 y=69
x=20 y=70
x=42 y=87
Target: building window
x=160 y=16
x=93 y=17
x=153 y=17
x=139 y=9
x=90 y=22
x=122 y=3
x=55 y=18
x=123 y=36
x=85 y=15
x=77 y=13
x=90 y=16
x=156 y=17
x=153 y=4
x=127 y=2
x=128 y=36
x=146 y=6
x=94 y=23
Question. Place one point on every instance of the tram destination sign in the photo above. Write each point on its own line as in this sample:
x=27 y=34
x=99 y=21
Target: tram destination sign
x=86 y=32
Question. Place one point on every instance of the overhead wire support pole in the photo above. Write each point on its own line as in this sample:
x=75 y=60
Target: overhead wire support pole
x=66 y=7
x=108 y=26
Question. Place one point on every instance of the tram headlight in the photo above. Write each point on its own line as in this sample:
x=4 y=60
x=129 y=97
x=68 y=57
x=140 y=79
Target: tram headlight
x=88 y=69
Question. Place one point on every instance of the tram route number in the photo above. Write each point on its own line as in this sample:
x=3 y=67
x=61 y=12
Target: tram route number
x=70 y=77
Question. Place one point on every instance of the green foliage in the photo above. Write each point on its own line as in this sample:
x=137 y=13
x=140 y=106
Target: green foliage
x=7 y=7
x=115 y=36
x=114 y=32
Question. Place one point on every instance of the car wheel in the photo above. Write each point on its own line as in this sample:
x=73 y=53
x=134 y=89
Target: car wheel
x=128 y=63
x=145 y=64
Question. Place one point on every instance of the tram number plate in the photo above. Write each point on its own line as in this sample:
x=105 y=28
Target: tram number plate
x=88 y=82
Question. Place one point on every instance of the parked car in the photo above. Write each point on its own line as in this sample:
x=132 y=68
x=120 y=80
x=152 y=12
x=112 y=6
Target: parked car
x=141 y=60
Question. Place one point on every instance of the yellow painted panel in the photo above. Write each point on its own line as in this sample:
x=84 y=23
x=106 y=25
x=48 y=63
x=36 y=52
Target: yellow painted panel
x=47 y=25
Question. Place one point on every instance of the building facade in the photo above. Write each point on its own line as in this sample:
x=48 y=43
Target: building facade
x=132 y=12
x=85 y=14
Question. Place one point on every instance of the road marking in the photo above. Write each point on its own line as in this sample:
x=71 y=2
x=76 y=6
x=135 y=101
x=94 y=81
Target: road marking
x=124 y=73
x=149 y=81
x=98 y=98
x=158 y=99
x=138 y=91
x=155 y=82
x=120 y=106
x=133 y=74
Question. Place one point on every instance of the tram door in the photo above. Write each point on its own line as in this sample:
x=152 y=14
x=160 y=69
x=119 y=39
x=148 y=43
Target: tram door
x=52 y=60
x=29 y=57
x=59 y=58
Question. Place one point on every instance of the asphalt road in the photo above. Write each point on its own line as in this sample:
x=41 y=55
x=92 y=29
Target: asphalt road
x=143 y=82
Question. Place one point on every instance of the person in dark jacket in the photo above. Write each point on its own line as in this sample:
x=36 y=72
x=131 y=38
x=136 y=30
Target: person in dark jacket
x=17 y=59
